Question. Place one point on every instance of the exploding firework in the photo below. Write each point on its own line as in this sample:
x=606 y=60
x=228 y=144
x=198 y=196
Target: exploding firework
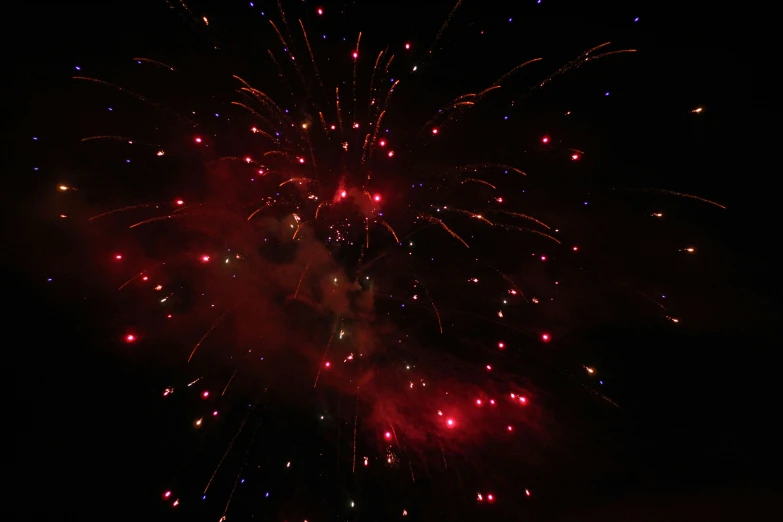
x=337 y=260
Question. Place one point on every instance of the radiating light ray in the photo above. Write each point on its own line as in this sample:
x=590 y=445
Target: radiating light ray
x=312 y=57
x=323 y=357
x=532 y=231
x=444 y=27
x=295 y=180
x=124 y=209
x=301 y=278
x=481 y=181
x=228 y=449
x=515 y=69
x=390 y=229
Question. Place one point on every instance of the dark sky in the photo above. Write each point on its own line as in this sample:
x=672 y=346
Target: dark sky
x=695 y=427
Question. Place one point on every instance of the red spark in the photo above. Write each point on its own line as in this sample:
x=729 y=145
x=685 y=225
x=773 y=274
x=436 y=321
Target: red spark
x=492 y=402
x=214 y=413
x=327 y=364
x=543 y=258
x=130 y=338
x=523 y=400
x=355 y=55
x=253 y=129
x=545 y=337
x=320 y=11
x=435 y=130
x=343 y=194
x=204 y=394
x=499 y=200
x=545 y=139
x=301 y=161
x=576 y=248
x=176 y=503
x=489 y=368
x=407 y=45
x=179 y=202
x=387 y=435
x=501 y=345
x=204 y=259
x=248 y=160
x=169 y=316
x=144 y=278
x=118 y=257
x=332 y=127
x=574 y=157
x=450 y=423
x=167 y=494
x=377 y=197
x=478 y=402
x=391 y=153
x=382 y=143
x=509 y=428
x=198 y=140
x=527 y=492
x=490 y=498
x=479 y=497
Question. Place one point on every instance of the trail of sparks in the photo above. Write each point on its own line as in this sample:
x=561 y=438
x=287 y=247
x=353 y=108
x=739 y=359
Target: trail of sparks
x=296 y=293
x=118 y=138
x=323 y=358
x=235 y=373
x=532 y=231
x=523 y=216
x=225 y=454
x=155 y=219
x=206 y=335
x=292 y=180
x=390 y=229
x=435 y=308
x=444 y=26
x=515 y=69
x=310 y=50
x=433 y=219
x=355 y=63
x=475 y=180
x=318 y=208
x=355 y=421
x=134 y=95
x=339 y=112
x=155 y=62
x=123 y=209
x=672 y=193
x=241 y=469
x=511 y=282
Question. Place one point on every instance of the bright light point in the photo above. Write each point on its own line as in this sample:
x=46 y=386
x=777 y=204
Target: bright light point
x=160 y=153
x=590 y=371
x=545 y=337
x=489 y=368
x=180 y=202
x=479 y=497
x=301 y=161
x=545 y=139
x=499 y=200
x=450 y=422
x=254 y=129
x=376 y=198
x=198 y=140
x=175 y=504
x=145 y=278
x=509 y=428
x=575 y=248
x=319 y=11
x=478 y=402
x=543 y=258
x=343 y=194
x=501 y=345
x=391 y=153
x=527 y=492
x=198 y=422
x=204 y=259
x=435 y=130
x=490 y=498
x=63 y=188
x=332 y=127
x=574 y=157
x=697 y=110
x=382 y=143
x=118 y=257
x=387 y=435
x=130 y=338
x=327 y=364
x=415 y=67
x=606 y=94
x=167 y=494
x=204 y=394
x=214 y=413
x=355 y=55
x=523 y=400
x=288 y=465
x=407 y=46
x=492 y=401
x=690 y=250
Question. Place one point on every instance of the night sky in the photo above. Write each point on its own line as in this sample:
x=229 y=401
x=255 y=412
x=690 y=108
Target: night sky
x=631 y=415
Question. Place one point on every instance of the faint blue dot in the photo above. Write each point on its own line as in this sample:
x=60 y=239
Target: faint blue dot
x=138 y=61
x=50 y=279
x=663 y=296
x=35 y=138
x=285 y=49
x=509 y=19
x=607 y=94
x=286 y=111
x=127 y=161
x=35 y=168
x=600 y=382
x=262 y=13
x=636 y=19
x=267 y=494
x=277 y=134
x=403 y=305
x=242 y=481
x=78 y=68
x=217 y=115
x=505 y=117
x=204 y=497
x=251 y=4
x=111 y=109
x=585 y=202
